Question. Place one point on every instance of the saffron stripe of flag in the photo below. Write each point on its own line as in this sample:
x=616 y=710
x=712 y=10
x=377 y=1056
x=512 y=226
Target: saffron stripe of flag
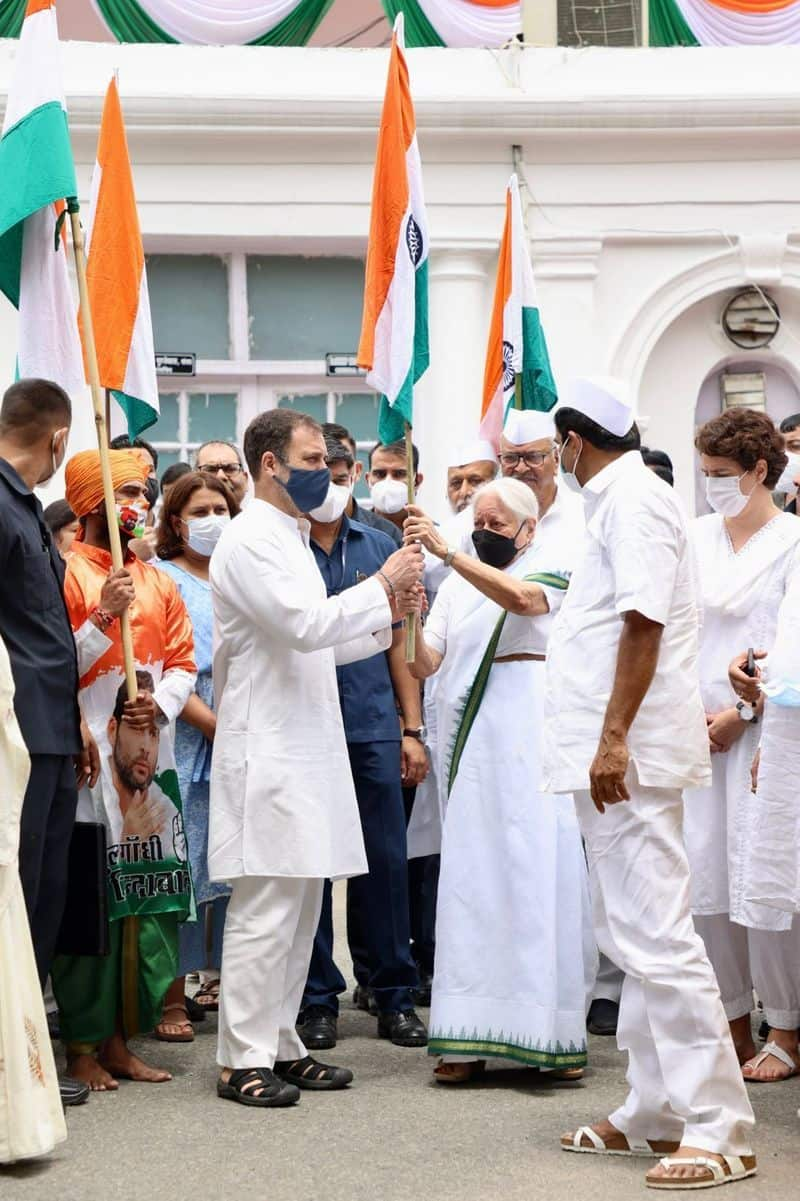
x=117 y=277
x=37 y=174
x=394 y=332
x=516 y=357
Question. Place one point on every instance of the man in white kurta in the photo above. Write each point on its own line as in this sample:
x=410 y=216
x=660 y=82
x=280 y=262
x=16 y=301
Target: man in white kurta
x=625 y=732
x=284 y=816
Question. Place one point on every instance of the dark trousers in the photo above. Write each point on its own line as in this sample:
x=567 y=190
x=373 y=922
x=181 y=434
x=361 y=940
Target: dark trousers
x=423 y=889
x=48 y=815
x=377 y=904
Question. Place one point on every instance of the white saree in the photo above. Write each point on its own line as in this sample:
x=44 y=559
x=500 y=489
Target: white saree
x=31 y=1117
x=741 y=596
x=515 y=951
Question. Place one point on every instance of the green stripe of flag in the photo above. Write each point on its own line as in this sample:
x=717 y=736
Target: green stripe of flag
x=138 y=414
x=392 y=418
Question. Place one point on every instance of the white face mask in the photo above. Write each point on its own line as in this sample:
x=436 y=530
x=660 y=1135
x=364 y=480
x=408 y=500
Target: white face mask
x=790 y=474
x=569 y=477
x=204 y=533
x=389 y=496
x=725 y=496
x=333 y=505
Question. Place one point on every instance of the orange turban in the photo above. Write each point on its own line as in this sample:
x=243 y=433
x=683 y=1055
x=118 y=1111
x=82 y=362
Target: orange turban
x=84 y=480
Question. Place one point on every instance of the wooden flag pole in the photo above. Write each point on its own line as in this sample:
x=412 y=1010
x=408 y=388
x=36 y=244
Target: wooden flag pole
x=99 y=406
x=411 y=618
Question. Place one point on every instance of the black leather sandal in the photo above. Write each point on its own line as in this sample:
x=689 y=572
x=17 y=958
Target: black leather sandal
x=258 y=1087
x=309 y=1073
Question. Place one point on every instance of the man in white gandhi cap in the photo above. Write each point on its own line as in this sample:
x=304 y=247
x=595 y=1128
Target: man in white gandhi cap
x=625 y=733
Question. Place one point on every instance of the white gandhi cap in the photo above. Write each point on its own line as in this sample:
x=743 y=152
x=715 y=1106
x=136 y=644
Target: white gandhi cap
x=606 y=400
x=477 y=451
x=528 y=425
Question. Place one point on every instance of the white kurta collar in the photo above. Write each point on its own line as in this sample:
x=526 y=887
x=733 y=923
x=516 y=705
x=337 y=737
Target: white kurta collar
x=297 y=525
x=630 y=461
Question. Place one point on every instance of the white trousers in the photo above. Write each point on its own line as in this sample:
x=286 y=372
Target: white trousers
x=767 y=960
x=609 y=981
x=266 y=951
x=684 y=1077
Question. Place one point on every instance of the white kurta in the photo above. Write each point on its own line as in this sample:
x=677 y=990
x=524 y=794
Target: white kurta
x=741 y=594
x=512 y=859
x=31 y=1116
x=282 y=796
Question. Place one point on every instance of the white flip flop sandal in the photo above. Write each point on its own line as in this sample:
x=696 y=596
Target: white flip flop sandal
x=778 y=1053
x=733 y=1167
x=636 y=1146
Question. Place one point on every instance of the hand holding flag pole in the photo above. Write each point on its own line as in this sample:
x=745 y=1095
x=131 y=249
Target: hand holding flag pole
x=411 y=618
x=99 y=406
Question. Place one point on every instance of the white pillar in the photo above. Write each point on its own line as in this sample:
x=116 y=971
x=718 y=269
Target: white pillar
x=540 y=22
x=448 y=398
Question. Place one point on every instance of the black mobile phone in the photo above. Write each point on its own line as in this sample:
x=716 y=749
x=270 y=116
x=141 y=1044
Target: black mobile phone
x=750 y=667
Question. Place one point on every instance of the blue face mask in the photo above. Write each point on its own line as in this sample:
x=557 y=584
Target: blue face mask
x=307 y=489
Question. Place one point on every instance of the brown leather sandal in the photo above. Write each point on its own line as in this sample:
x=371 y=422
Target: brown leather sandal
x=186 y=1029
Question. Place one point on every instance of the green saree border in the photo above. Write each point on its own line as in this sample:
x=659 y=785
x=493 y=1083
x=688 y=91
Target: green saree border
x=506 y=1050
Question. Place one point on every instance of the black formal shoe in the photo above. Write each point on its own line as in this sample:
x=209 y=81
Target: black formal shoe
x=403 y=1028
x=422 y=996
x=364 y=998
x=73 y=1092
x=319 y=1028
x=310 y=1073
x=602 y=1017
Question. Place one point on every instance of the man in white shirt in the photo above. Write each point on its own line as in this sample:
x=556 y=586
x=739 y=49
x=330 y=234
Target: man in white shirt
x=284 y=816
x=625 y=732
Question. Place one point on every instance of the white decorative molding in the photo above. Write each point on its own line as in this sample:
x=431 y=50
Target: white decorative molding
x=763 y=256
x=572 y=258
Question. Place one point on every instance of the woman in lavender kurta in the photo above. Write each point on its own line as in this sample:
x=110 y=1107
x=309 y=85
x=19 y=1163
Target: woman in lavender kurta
x=195 y=511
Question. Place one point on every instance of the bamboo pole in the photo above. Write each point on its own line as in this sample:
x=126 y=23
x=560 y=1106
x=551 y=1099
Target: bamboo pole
x=411 y=618
x=99 y=406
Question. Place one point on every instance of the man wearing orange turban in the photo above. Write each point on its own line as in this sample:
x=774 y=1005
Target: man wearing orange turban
x=136 y=797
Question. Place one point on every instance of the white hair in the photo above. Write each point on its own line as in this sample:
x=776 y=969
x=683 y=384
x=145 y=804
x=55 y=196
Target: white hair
x=515 y=495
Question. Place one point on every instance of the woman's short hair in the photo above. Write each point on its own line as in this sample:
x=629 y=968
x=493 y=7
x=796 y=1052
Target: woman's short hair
x=168 y=543
x=744 y=435
x=515 y=495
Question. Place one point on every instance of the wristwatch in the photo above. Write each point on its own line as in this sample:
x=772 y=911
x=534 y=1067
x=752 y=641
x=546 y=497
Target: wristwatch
x=419 y=733
x=747 y=712
x=452 y=551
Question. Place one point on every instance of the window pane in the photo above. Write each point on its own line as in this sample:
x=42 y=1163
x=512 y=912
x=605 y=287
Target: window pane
x=359 y=414
x=212 y=415
x=166 y=428
x=166 y=458
x=189 y=304
x=314 y=406
x=303 y=308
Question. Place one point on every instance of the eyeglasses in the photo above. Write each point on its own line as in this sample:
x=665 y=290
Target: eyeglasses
x=230 y=469
x=531 y=458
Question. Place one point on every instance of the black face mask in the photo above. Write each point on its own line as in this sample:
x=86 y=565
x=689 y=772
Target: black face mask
x=496 y=550
x=151 y=490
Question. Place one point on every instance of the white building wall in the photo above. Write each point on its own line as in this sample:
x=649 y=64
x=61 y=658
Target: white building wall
x=659 y=182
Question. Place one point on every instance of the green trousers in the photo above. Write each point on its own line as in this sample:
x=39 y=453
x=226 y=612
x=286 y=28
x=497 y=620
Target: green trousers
x=95 y=992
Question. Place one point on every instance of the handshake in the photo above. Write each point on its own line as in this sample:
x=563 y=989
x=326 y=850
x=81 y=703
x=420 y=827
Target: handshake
x=401 y=576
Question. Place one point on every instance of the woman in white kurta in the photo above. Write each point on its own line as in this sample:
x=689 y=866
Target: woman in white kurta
x=513 y=910
x=31 y=1115
x=746 y=555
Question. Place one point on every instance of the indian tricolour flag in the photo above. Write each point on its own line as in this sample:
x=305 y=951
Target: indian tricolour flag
x=37 y=175
x=117 y=279
x=394 y=330
x=517 y=364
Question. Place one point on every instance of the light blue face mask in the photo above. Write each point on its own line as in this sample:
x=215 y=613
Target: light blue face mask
x=569 y=477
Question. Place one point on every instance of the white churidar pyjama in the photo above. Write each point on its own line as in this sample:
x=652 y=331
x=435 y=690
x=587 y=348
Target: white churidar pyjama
x=609 y=981
x=767 y=960
x=269 y=935
x=684 y=1077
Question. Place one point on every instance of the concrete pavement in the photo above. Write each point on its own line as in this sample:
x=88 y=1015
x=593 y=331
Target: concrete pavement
x=393 y=1136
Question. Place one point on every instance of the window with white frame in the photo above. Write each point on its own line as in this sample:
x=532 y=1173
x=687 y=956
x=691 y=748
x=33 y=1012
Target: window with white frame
x=260 y=326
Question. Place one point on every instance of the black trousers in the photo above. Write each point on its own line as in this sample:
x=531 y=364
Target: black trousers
x=423 y=890
x=377 y=904
x=48 y=815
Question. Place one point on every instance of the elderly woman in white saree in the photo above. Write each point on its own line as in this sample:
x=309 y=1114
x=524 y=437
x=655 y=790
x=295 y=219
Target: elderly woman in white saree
x=513 y=904
x=747 y=553
x=31 y=1116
